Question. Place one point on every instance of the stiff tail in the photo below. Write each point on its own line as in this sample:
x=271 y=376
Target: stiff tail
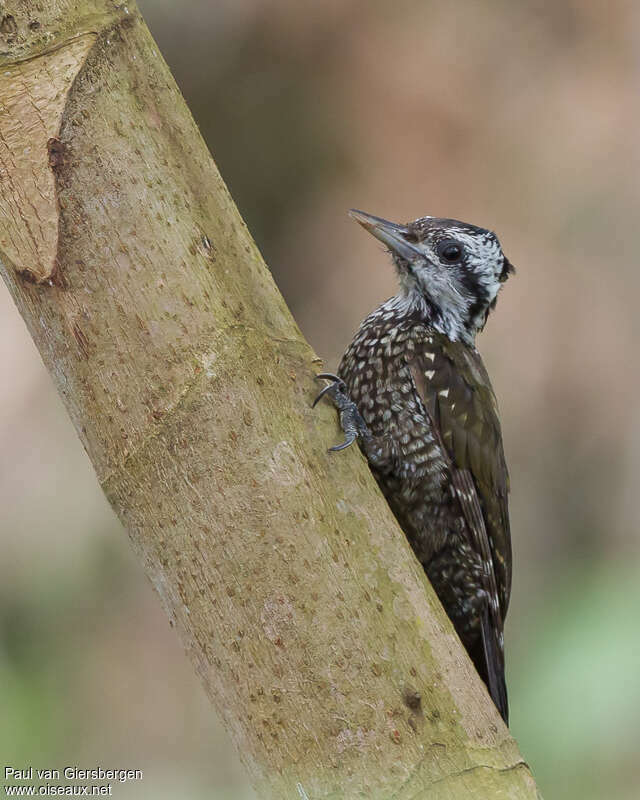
x=488 y=658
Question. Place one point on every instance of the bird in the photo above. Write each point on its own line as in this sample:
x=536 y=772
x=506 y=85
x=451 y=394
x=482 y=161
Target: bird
x=413 y=391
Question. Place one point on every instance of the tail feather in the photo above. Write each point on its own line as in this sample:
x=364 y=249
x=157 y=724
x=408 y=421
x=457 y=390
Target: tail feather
x=488 y=658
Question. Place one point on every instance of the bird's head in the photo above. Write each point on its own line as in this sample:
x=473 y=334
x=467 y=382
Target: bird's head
x=450 y=270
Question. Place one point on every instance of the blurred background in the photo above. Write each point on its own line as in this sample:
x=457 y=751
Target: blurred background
x=521 y=117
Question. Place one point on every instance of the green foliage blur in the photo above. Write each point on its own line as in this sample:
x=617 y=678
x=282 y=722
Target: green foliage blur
x=521 y=117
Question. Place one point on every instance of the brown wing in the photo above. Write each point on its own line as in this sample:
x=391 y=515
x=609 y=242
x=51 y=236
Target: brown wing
x=455 y=389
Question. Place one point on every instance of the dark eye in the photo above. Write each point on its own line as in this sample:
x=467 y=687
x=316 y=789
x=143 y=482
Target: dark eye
x=451 y=251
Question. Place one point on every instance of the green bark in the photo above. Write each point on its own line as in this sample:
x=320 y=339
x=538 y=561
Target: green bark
x=296 y=596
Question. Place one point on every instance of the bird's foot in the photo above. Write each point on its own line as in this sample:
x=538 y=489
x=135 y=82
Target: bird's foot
x=350 y=418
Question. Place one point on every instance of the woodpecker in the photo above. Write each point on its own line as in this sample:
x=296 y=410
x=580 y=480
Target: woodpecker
x=413 y=391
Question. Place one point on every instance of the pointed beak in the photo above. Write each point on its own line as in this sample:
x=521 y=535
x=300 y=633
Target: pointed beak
x=389 y=233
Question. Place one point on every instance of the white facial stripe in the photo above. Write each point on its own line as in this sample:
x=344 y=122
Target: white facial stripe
x=448 y=286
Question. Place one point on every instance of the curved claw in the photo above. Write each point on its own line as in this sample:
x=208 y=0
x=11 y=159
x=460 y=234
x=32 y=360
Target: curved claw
x=329 y=376
x=338 y=384
x=352 y=423
x=322 y=393
x=347 y=443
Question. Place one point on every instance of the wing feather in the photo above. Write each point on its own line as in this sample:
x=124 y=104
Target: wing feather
x=457 y=395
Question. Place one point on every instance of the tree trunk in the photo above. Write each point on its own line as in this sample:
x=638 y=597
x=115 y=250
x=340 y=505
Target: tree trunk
x=295 y=593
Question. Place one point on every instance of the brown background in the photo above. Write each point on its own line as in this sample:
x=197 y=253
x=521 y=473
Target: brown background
x=521 y=117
